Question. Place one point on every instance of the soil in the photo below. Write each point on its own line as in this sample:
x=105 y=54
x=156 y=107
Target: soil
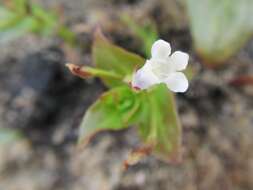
x=43 y=102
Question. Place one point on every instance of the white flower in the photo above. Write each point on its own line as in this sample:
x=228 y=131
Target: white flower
x=163 y=68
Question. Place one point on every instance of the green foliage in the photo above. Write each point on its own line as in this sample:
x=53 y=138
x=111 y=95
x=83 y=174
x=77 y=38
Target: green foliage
x=109 y=57
x=46 y=22
x=159 y=124
x=146 y=33
x=152 y=111
x=19 y=17
x=220 y=27
x=114 y=110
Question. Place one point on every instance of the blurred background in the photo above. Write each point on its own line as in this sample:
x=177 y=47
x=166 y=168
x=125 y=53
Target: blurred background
x=42 y=103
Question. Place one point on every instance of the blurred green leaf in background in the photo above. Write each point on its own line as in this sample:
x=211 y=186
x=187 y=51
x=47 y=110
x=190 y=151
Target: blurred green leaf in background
x=18 y=17
x=220 y=27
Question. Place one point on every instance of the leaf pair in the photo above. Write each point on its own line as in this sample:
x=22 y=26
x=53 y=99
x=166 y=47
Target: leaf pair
x=153 y=112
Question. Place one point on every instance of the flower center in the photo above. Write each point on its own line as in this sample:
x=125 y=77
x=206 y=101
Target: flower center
x=160 y=68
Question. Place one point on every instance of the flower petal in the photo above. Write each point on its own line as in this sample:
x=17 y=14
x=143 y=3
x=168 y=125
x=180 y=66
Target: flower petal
x=160 y=49
x=179 y=60
x=177 y=82
x=144 y=77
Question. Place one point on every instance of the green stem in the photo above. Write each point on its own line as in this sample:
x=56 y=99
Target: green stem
x=102 y=73
x=86 y=72
x=153 y=124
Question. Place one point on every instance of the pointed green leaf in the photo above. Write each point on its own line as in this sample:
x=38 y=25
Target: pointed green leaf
x=114 y=110
x=112 y=58
x=160 y=127
x=220 y=27
x=47 y=21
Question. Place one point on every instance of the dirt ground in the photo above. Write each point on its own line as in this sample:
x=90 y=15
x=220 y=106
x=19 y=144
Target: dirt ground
x=45 y=103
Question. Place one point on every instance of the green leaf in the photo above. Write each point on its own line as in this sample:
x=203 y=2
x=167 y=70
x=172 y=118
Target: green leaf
x=20 y=6
x=146 y=33
x=112 y=58
x=16 y=28
x=220 y=27
x=159 y=127
x=5 y=14
x=19 y=17
x=114 y=110
x=46 y=21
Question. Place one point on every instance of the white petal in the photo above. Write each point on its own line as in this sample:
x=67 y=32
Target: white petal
x=160 y=49
x=144 y=77
x=177 y=82
x=179 y=60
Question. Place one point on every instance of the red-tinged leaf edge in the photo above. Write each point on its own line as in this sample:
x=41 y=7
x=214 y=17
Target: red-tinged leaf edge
x=136 y=155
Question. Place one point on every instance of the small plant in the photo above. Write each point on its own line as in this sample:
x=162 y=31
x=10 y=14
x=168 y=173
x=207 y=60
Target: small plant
x=18 y=17
x=136 y=98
